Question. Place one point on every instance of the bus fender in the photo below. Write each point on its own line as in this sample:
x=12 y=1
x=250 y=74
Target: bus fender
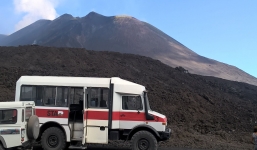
x=143 y=127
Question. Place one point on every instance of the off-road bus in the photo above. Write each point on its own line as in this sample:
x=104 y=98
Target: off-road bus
x=75 y=111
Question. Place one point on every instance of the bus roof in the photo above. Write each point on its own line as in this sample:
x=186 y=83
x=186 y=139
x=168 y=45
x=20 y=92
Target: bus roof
x=120 y=85
x=63 y=81
x=16 y=104
x=77 y=81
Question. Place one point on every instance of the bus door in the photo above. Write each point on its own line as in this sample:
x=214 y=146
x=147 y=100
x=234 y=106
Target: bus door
x=96 y=115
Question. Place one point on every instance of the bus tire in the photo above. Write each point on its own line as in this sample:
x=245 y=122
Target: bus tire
x=33 y=127
x=144 y=140
x=53 y=138
x=1 y=146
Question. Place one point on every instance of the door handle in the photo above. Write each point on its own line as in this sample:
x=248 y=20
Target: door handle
x=122 y=115
x=102 y=128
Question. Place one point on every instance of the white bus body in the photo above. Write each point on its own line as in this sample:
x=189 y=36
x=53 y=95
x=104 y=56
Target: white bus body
x=91 y=110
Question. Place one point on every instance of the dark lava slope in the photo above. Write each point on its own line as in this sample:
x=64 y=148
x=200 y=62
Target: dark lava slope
x=203 y=111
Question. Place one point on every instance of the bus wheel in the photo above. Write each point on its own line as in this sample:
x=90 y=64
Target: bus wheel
x=144 y=140
x=1 y=147
x=53 y=139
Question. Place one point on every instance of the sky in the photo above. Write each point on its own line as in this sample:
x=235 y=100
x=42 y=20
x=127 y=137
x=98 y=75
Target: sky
x=223 y=30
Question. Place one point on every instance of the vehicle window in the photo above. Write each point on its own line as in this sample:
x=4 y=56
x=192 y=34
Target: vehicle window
x=8 y=116
x=26 y=93
x=22 y=118
x=32 y=93
x=98 y=97
x=49 y=96
x=76 y=95
x=38 y=95
x=28 y=113
x=57 y=96
x=1 y=115
x=62 y=97
x=131 y=103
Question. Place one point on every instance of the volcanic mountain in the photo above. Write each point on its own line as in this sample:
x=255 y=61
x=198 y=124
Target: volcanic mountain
x=2 y=36
x=123 y=34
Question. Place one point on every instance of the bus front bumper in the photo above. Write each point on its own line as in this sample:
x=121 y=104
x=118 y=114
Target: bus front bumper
x=165 y=135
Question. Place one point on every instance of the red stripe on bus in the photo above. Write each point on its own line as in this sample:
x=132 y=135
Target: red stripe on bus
x=98 y=115
x=135 y=116
x=124 y=116
x=52 y=113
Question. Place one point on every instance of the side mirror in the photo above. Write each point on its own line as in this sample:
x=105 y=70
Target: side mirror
x=138 y=111
x=139 y=108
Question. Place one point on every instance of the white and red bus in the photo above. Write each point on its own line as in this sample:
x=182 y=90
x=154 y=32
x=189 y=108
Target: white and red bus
x=75 y=111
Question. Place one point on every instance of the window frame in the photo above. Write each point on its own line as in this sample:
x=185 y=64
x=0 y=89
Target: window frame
x=89 y=106
x=71 y=100
x=16 y=117
x=43 y=90
x=23 y=116
x=141 y=102
x=26 y=110
x=44 y=96
x=21 y=91
x=33 y=86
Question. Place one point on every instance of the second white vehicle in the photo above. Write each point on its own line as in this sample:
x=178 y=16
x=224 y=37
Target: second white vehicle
x=19 y=127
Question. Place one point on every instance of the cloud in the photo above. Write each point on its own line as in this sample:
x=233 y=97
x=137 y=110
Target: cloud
x=35 y=10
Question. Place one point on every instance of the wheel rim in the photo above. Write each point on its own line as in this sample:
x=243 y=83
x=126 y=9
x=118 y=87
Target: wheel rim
x=52 y=141
x=143 y=144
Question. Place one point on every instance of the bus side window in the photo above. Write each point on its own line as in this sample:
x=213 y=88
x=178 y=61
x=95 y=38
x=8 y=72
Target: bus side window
x=76 y=94
x=32 y=93
x=62 y=97
x=98 y=98
x=1 y=115
x=49 y=96
x=26 y=93
x=38 y=95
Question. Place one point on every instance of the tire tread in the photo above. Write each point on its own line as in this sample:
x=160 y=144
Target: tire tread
x=147 y=133
x=1 y=146
x=58 y=131
x=30 y=127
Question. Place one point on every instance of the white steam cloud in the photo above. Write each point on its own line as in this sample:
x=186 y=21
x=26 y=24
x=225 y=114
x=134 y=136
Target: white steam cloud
x=35 y=10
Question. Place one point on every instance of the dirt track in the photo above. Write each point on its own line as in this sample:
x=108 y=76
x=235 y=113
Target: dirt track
x=125 y=148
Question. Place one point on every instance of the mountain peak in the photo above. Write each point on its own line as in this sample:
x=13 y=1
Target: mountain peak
x=123 y=16
x=66 y=16
x=94 y=14
x=94 y=17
